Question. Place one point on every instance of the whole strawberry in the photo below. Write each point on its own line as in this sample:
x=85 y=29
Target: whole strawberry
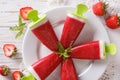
x=113 y=21
x=4 y=70
x=99 y=8
x=9 y=50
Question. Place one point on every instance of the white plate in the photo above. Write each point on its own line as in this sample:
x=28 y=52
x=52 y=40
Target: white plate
x=93 y=30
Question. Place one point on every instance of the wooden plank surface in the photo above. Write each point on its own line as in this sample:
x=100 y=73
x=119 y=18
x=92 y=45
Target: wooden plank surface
x=9 y=10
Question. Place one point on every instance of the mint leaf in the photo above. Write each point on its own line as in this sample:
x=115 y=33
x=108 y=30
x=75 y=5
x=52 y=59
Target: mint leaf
x=22 y=25
x=19 y=34
x=69 y=49
x=60 y=47
x=20 y=20
x=66 y=55
x=19 y=28
x=15 y=28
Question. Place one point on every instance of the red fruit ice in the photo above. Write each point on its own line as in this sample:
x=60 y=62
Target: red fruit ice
x=43 y=30
x=43 y=67
x=99 y=8
x=17 y=75
x=24 y=11
x=68 y=71
x=113 y=21
x=71 y=30
x=4 y=70
x=9 y=50
x=90 y=50
x=73 y=25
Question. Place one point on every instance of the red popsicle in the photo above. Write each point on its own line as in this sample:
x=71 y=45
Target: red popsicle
x=90 y=50
x=73 y=25
x=68 y=71
x=43 y=30
x=43 y=67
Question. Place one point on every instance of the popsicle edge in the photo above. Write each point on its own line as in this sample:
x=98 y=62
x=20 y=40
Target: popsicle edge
x=80 y=10
x=33 y=16
x=29 y=76
x=111 y=49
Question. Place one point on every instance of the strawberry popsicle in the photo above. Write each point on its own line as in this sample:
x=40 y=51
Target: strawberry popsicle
x=92 y=50
x=43 y=67
x=43 y=30
x=68 y=71
x=73 y=25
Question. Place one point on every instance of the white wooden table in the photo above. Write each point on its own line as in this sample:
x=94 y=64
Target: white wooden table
x=9 y=10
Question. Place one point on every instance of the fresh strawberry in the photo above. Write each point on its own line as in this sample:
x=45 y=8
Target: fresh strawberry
x=9 y=50
x=113 y=21
x=24 y=11
x=4 y=70
x=17 y=75
x=99 y=8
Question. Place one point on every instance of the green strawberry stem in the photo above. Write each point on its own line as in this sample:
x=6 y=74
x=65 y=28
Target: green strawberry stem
x=14 y=52
x=6 y=70
x=119 y=20
x=63 y=52
x=105 y=5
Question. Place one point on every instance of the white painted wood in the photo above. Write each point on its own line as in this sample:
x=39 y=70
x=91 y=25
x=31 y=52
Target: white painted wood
x=9 y=10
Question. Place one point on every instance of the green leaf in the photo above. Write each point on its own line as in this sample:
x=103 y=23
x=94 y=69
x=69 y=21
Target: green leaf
x=66 y=55
x=19 y=34
x=69 y=49
x=15 y=28
x=20 y=20
x=61 y=48
x=22 y=25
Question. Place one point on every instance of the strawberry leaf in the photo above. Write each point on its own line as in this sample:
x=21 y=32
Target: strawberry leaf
x=105 y=5
x=118 y=19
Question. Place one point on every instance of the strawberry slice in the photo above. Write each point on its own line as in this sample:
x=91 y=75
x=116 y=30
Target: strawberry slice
x=24 y=11
x=113 y=21
x=9 y=50
x=17 y=75
x=99 y=8
x=4 y=70
x=68 y=71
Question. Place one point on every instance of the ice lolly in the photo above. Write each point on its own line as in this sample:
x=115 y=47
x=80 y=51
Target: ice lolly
x=93 y=50
x=73 y=25
x=43 y=67
x=68 y=71
x=43 y=30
